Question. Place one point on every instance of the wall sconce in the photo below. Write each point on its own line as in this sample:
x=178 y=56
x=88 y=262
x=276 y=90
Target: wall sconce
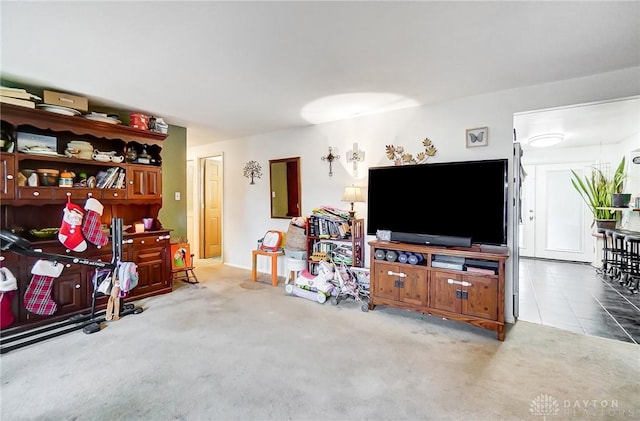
x=352 y=194
x=355 y=156
x=252 y=169
x=330 y=157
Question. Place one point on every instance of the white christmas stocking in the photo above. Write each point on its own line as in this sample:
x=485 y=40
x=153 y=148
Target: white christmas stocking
x=70 y=234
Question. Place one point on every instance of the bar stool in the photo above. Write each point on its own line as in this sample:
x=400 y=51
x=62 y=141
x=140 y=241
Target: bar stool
x=619 y=252
x=632 y=279
x=294 y=266
x=608 y=267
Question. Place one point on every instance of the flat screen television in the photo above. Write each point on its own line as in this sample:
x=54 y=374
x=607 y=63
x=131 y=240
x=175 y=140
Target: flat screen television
x=459 y=199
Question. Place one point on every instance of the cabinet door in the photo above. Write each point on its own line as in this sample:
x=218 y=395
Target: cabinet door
x=150 y=255
x=144 y=182
x=385 y=282
x=414 y=286
x=8 y=176
x=482 y=297
x=445 y=291
x=68 y=291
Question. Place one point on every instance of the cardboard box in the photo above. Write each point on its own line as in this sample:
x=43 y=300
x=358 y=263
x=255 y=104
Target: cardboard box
x=66 y=100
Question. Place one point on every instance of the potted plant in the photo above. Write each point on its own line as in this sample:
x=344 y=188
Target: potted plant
x=597 y=191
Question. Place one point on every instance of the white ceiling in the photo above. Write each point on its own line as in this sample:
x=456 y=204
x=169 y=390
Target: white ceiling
x=239 y=68
x=606 y=122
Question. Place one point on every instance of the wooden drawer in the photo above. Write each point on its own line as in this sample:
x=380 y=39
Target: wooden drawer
x=36 y=193
x=114 y=194
x=76 y=193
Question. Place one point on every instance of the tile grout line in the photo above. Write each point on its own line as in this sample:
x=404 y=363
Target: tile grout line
x=614 y=319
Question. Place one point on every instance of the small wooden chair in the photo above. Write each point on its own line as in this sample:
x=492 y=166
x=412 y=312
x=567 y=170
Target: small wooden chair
x=184 y=274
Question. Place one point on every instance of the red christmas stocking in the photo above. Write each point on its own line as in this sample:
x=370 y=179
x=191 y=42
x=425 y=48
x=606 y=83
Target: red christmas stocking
x=92 y=223
x=8 y=286
x=37 y=298
x=70 y=234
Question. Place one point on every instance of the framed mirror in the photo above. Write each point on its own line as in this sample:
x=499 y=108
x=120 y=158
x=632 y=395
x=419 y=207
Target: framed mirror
x=284 y=176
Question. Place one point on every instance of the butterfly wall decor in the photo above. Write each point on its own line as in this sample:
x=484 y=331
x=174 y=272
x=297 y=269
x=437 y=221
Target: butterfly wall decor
x=477 y=137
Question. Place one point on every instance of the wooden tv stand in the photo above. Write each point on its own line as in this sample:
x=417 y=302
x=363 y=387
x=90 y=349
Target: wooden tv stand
x=457 y=294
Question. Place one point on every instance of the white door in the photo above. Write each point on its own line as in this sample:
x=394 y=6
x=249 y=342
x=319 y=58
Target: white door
x=556 y=223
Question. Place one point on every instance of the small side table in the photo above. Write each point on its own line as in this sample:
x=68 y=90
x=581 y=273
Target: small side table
x=274 y=264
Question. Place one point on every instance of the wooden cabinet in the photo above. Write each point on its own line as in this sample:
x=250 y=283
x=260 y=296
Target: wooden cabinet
x=151 y=254
x=319 y=242
x=144 y=182
x=8 y=179
x=400 y=284
x=459 y=293
x=36 y=207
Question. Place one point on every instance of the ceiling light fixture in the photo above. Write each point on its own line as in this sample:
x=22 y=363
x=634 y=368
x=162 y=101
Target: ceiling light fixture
x=546 y=140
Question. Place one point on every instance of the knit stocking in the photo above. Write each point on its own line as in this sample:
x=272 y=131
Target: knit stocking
x=92 y=223
x=37 y=298
x=70 y=234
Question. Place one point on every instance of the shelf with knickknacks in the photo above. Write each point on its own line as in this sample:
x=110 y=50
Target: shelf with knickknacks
x=251 y=170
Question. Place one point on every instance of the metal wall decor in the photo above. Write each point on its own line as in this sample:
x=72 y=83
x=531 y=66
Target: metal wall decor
x=252 y=169
x=355 y=156
x=330 y=157
x=400 y=157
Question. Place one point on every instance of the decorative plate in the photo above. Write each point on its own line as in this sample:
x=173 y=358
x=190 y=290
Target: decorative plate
x=102 y=118
x=58 y=109
x=44 y=232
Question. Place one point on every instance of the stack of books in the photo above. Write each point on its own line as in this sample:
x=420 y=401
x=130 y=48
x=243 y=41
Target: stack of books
x=328 y=222
x=112 y=178
x=18 y=96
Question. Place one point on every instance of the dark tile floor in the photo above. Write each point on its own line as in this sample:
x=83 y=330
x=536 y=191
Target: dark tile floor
x=574 y=297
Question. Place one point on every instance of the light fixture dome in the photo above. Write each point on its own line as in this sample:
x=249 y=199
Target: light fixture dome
x=545 y=140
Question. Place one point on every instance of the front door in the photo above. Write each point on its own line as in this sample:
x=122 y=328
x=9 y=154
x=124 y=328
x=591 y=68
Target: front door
x=556 y=223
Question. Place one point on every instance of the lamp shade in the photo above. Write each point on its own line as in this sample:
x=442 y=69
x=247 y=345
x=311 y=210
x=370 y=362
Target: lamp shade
x=352 y=194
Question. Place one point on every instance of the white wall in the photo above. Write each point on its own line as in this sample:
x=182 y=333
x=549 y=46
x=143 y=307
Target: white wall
x=246 y=213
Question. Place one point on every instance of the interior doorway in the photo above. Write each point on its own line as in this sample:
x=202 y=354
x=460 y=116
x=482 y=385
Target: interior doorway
x=210 y=207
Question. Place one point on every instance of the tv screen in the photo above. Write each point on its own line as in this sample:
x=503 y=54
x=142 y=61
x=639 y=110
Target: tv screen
x=460 y=199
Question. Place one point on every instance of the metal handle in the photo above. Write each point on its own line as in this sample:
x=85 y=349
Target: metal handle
x=463 y=283
x=7 y=176
x=77 y=286
x=400 y=274
x=36 y=193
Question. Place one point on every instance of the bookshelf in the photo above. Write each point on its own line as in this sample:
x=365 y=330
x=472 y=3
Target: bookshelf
x=344 y=237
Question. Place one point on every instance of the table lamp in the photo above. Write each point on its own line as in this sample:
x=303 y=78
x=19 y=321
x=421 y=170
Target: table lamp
x=352 y=194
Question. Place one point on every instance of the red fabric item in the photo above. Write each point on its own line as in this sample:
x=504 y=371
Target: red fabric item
x=70 y=234
x=91 y=227
x=6 y=315
x=38 y=299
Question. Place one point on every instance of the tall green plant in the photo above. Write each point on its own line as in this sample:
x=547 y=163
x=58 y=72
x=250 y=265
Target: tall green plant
x=597 y=189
